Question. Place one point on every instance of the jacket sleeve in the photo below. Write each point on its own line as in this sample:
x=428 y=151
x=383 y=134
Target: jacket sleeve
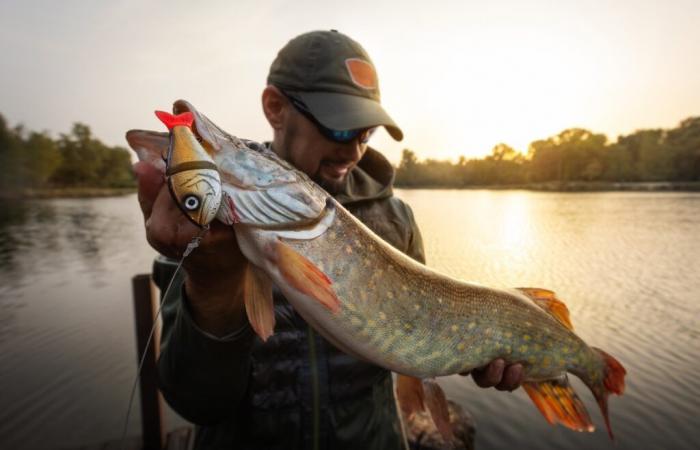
x=202 y=377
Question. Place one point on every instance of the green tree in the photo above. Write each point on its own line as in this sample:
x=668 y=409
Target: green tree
x=86 y=161
x=40 y=159
x=684 y=146
x=10 y=156
x=573 y=154
x=650 y=158
x=406 y=173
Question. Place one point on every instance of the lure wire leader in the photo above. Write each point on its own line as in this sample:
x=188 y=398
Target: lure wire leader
x=194 y=243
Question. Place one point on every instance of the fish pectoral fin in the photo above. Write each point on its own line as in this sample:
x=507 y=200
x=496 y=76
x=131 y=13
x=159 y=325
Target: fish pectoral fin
x=436 y=402
x=150 y=146
x=558 y=402
x=259 y=307
x=305 y=277
x=409 y=393
x=548 y=301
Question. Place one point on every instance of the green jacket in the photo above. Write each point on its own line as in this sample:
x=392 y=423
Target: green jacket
x=295 y=391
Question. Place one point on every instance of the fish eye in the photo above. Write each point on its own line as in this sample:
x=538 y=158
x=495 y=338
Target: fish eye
x=191 y=202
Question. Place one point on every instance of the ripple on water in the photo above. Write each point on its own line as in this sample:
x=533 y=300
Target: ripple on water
x=625 y=263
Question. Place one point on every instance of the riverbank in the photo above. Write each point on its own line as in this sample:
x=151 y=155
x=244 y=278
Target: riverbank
x=73 y=192
x=570 y=186
x=581 y=186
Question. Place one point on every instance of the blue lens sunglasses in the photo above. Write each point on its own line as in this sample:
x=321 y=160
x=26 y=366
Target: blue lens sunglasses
x=340 y=136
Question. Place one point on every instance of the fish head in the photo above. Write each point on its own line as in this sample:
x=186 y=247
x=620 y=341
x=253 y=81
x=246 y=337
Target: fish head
x=193 y=177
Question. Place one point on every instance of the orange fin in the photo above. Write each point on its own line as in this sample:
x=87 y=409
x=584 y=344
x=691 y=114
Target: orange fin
x=409 y=393
x=436 y=402
x=305 y=277
x=613 y=382
x=548 y=301
x=558 y=402
x=259 y=307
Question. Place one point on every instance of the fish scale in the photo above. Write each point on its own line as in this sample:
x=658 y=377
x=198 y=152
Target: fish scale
x=423 y=341
x=369 y=299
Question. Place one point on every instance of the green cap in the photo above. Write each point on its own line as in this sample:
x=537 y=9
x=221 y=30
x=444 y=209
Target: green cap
x=335 y=77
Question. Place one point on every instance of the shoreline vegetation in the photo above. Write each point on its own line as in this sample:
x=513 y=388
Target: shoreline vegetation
x=66 y=192
x=573 y=160
x=77 y=164
x=87 y=192
x=576 y=186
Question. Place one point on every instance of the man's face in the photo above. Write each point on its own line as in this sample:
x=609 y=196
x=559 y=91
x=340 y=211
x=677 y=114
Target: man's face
x=326 y=162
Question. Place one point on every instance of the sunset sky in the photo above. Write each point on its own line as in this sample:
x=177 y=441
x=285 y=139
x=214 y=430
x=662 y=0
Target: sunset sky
x=458 y=77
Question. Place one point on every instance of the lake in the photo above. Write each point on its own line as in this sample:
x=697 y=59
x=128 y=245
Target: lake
x=627 y=264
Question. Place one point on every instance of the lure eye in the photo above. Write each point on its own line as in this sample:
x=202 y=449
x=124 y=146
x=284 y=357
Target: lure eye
x=191 y=202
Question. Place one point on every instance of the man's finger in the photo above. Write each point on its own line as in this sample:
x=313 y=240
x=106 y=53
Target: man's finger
x=489 y=375
x=512 y=377
x=150 y=180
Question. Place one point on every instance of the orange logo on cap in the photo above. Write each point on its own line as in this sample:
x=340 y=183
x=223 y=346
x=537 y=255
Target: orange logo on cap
x=362 y=73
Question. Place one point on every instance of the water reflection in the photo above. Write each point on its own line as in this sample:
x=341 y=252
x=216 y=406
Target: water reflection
x=12 y=214
x=626 y=264
x=35 y=235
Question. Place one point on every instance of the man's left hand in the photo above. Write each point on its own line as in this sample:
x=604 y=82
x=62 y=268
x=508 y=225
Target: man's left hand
x=499 y=375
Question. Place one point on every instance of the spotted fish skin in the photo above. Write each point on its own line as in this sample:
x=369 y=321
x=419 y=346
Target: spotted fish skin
x=406 y=317
x=376 y=303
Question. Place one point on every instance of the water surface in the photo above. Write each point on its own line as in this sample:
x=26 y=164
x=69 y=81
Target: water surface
x=627 y=265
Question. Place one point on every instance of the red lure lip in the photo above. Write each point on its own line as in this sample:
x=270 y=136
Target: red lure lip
x=169 y=120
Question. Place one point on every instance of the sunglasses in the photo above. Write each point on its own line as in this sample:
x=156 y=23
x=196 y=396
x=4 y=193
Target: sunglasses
x=340 y=136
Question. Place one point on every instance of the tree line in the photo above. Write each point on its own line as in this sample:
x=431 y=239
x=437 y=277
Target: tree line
x=35 y=160
x=574 y=155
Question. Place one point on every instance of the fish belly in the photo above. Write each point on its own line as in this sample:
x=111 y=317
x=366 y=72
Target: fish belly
x=403 y=316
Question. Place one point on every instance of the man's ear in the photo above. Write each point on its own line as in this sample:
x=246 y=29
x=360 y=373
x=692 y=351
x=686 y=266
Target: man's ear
x=275 y=106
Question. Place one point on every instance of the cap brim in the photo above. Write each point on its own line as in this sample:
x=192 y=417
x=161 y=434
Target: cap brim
x=348 y=112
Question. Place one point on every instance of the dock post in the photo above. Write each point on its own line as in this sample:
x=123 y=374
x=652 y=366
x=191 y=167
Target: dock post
x=152 y=419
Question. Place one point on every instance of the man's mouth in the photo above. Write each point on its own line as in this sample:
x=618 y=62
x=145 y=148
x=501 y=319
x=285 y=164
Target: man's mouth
x=336 y=169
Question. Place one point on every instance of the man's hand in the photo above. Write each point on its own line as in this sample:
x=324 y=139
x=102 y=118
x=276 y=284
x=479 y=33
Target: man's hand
x=497 y=374
x=213 y=271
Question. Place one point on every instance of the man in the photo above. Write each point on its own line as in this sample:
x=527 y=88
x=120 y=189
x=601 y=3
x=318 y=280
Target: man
x=295 y=390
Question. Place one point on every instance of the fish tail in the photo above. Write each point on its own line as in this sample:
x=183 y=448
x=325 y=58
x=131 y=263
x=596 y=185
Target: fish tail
x=613 y=382
x=558 y=403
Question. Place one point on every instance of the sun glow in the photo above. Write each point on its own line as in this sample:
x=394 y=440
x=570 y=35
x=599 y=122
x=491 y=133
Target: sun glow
x=458 y=77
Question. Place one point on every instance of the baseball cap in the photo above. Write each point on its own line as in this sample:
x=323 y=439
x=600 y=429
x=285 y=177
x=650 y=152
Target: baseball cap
x=336 y=79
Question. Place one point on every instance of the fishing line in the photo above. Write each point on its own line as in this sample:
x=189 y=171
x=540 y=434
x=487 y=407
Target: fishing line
x=194 y=243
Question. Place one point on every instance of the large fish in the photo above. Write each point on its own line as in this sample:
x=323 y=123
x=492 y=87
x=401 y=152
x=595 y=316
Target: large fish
x=360 y=293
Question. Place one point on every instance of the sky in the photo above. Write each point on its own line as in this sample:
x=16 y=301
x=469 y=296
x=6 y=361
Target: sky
x=458 y=77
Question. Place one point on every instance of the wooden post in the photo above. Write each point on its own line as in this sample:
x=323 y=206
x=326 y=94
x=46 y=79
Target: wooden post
x=152 y=419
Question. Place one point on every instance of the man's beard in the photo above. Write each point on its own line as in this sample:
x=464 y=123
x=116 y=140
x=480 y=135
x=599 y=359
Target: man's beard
x=333 y=187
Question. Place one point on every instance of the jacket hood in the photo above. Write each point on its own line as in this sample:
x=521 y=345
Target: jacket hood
x=371 y=179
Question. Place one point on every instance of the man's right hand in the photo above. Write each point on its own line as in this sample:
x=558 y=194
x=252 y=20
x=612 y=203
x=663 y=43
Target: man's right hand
x=213 y=272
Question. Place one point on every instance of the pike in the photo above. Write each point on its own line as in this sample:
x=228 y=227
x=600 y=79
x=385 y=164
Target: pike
x=360 y=293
